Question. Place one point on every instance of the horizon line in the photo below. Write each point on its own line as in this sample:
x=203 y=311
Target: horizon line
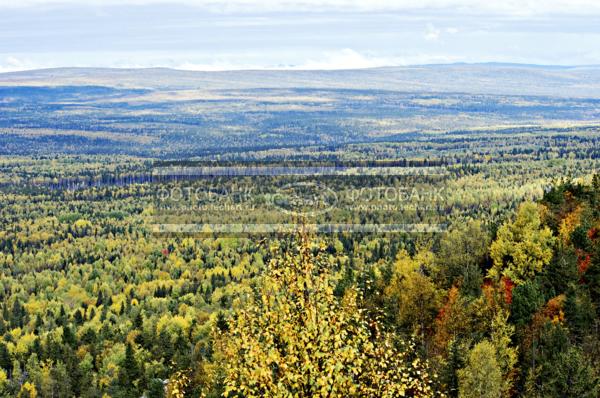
x=300 y=69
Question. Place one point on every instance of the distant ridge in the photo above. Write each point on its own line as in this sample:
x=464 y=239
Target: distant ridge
x=485 y=78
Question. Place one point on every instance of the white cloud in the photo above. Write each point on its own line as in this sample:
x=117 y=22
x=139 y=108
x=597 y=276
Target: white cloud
x=343 y=59
x=506 y=7
x=13 y=64
x=326 y=60
x=193 y=39
x=432 y=33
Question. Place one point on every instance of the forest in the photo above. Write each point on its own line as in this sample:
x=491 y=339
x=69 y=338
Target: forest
x=95 y=303
x=480 y=278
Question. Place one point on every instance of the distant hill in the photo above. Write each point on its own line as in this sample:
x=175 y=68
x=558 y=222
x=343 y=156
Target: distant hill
x=506 y=79
x=173 y=113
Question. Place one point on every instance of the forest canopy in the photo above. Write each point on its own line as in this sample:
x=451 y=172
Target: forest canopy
x=95 y=304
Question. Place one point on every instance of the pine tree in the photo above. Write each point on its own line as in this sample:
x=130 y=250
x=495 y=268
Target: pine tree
x=5 y=360
x=129 y=374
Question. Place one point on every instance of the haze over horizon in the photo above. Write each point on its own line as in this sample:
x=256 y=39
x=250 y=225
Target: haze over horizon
x=301 y=69
x=288 y=34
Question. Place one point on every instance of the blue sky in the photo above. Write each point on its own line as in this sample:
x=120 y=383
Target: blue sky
x=295 y=34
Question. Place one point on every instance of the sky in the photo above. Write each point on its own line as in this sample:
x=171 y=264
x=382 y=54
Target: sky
x=295 y=34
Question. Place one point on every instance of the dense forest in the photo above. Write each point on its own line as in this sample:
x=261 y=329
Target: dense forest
x=480 y=278
x=95 y=303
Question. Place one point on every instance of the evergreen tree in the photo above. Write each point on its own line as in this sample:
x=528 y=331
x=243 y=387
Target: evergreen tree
x=129 y=375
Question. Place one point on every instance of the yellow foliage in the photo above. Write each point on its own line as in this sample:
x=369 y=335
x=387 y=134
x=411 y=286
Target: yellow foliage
x=24 y=343
x=299 y=340
x=118 y=300
x=404 y=264
x=131 y=336
x=3 y=378
x=76 y=295
x=522 y=247
x=27 y=391
x=568 y=225
x=15 y=333
x=82 y=224
x=175 y=324
x=81 y=352
x=34 y=306
x=412 y=295
x=177 y=385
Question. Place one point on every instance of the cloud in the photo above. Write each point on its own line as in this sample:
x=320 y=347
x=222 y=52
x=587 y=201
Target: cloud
x=502 y=7
x=432 y=33
x=330 y=60
x=344 y=59
x=13 y=64
x=326 y=60
x=188 y=38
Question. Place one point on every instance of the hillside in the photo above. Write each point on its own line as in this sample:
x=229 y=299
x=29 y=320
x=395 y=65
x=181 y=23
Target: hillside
x=168 y=113
x=506 y=79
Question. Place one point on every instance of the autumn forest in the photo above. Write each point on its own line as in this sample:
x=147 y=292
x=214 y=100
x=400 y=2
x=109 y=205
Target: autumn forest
x=190 y=240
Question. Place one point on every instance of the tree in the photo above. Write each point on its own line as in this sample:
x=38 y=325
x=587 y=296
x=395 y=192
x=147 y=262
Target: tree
x=3 y=382
x=592 y=276
x=482 y=377
x=297 y=339
x=27 y=391
x=412 y=297
x=461 y=250
x=522 y=247
x=567 y=374
x=561 y=272
x=156 y=388
x=5 y=361
x=129 y=374
x=457 y=353
x=579 y=311
x=526 y=300
x=452 y=322
x=506 y=355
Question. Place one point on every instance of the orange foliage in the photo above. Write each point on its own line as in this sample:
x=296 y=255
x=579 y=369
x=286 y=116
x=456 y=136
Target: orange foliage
x=507 y=287
x=445 y=320
x=569 y=223
x=583 y=261
x=553 y=310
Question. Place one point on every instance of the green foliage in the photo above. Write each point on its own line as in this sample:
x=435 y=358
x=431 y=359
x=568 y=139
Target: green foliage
x=580 y=312
x=129 y=375
x=567 y=374
x=482 y=377
x=561 y=272
x=93 y=303
x=462 y=251
x=592 y=276
x=457 y=356
x=527 y=299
